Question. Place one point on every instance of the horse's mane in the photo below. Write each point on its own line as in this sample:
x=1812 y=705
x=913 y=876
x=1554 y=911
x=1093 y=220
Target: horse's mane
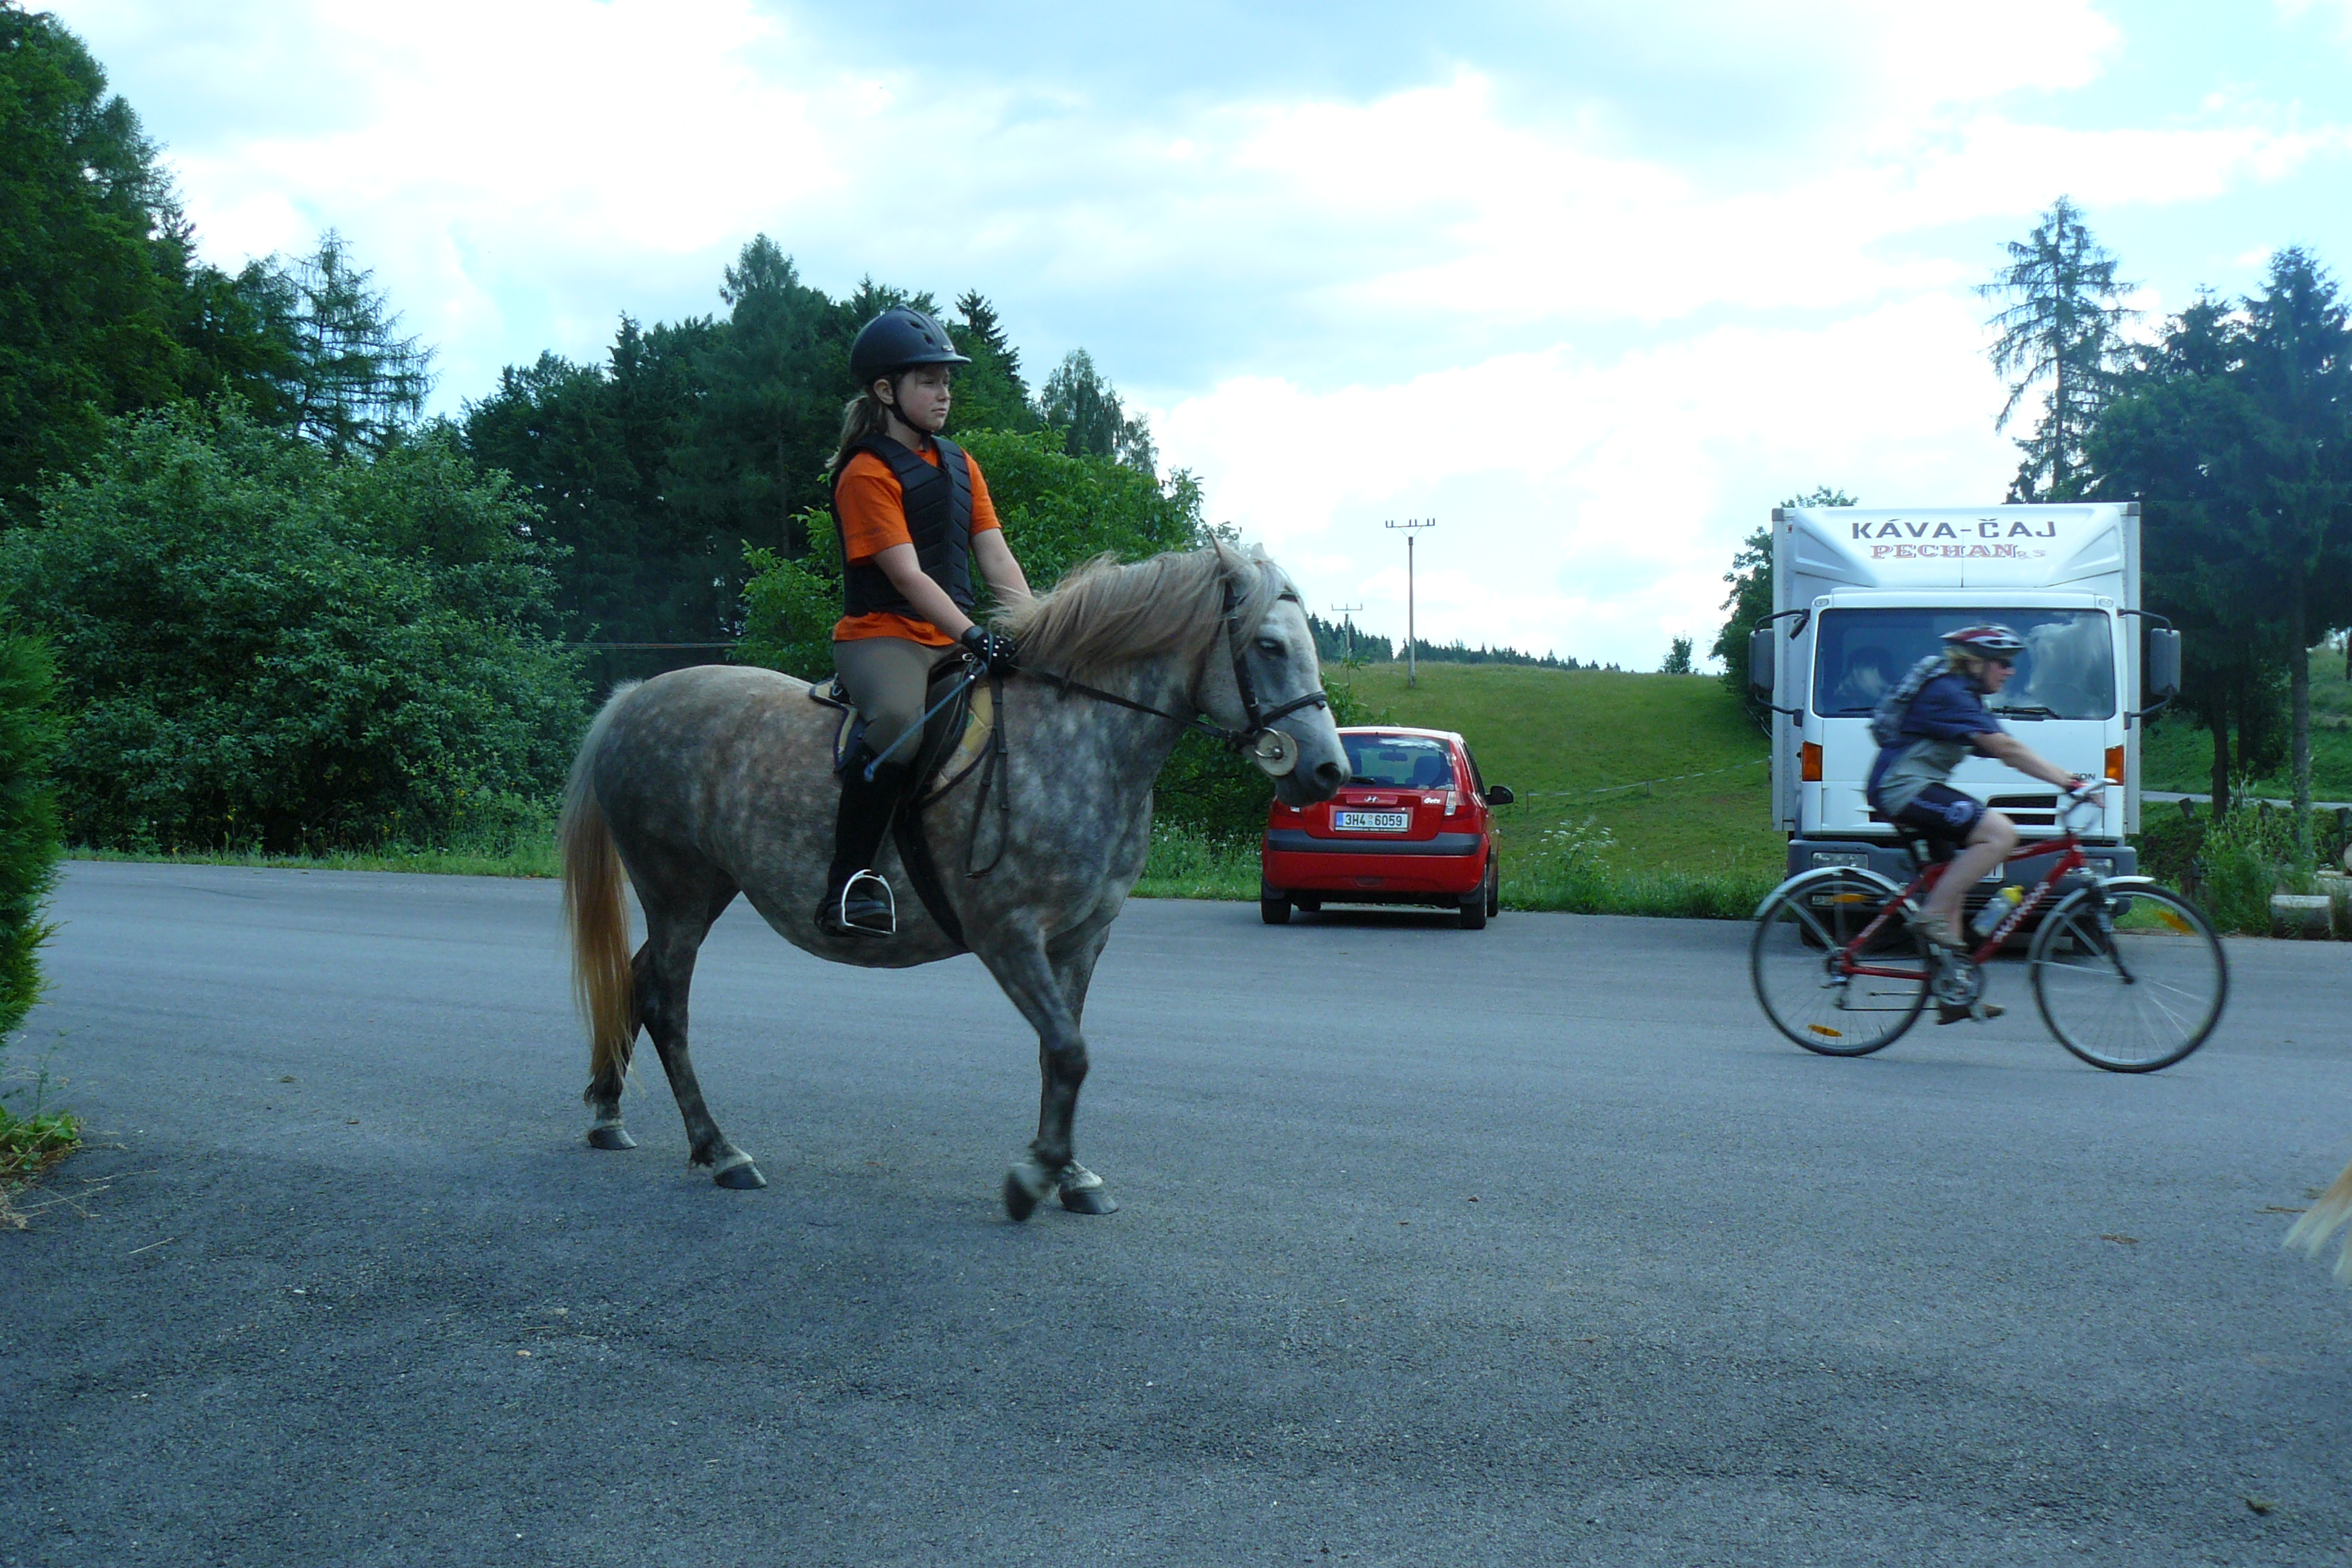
x=1105 y=613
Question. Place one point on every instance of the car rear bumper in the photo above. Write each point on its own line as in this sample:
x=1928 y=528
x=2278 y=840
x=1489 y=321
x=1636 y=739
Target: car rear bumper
x=1378 y=871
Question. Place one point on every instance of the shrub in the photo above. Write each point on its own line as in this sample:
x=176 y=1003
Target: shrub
x=2233 y=864
x=259 y=646
x=28 y=818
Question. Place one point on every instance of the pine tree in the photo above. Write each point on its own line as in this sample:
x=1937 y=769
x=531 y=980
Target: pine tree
x=2235 y=434
x=1079 y=402
x=85 y=291
x=2062 y=329
x=990 y=393
x=350 y=382
x=2299 y=361
x=774 y=377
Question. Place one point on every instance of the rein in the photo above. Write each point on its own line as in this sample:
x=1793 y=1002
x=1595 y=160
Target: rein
x=1269 y=748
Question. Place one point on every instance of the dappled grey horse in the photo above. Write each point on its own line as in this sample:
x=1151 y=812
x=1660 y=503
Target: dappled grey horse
x=712 y=782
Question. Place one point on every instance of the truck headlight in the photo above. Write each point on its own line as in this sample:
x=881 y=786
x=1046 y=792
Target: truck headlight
x=1839 y=857
x=2099 y=864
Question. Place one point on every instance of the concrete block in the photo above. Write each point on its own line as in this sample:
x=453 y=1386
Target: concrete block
x=2302 y=914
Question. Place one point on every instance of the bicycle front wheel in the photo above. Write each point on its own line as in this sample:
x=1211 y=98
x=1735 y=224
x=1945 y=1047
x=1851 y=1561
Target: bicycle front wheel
x=1797 y=959
x=2131 y=979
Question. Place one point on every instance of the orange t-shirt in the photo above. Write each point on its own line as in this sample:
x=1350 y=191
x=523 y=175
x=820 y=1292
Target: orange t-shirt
x=872 y=510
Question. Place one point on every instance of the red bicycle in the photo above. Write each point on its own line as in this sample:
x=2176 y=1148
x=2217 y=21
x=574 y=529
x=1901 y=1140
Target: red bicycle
x=2127 y=974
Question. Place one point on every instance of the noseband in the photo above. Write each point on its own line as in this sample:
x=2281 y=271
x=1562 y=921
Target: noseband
x=1266 y=746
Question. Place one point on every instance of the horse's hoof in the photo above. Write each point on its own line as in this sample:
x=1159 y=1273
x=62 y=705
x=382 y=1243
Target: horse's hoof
x=743 y=1178
x=1088 y=1200
x=1023 y=1185
x=610 y=1138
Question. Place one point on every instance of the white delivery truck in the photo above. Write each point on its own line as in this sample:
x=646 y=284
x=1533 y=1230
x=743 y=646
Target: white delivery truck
x=1859 y=595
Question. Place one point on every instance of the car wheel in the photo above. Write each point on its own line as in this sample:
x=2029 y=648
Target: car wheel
x=1494 y=886
x=1474 y=908
x=1274 y=906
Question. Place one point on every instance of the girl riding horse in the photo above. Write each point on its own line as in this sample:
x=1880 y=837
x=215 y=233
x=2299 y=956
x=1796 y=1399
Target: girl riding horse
x=914 y=514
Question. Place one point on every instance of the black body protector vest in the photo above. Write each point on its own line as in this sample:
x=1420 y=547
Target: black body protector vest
x=939 y=520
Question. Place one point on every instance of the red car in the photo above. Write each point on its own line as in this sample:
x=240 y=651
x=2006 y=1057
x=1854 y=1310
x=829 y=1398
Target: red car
x=1412 y=826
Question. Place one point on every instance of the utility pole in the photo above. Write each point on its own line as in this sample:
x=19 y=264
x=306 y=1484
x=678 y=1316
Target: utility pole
x=1412 y=677
x=1343 y=612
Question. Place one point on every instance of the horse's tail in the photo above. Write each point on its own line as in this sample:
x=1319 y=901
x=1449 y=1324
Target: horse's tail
x=597 y=916
x=2320 y=1221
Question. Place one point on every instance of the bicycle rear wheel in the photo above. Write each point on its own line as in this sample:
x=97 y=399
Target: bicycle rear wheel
x=2130 y=980
x=1795 y=959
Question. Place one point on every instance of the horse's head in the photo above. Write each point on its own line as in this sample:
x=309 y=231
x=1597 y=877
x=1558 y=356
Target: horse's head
x=1269 y=687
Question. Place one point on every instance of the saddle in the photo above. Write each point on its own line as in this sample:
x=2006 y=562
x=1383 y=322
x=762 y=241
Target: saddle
x=958 y=735
x=1924 y=851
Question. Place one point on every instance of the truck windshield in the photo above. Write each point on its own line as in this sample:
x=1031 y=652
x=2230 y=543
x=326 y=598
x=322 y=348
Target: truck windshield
x=2067 y=671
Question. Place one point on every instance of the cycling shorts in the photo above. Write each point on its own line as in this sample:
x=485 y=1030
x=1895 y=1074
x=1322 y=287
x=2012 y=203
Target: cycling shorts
x=1943 y=816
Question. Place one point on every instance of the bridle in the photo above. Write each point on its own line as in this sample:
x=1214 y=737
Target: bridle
x=1273 y=750
x=1274 y=753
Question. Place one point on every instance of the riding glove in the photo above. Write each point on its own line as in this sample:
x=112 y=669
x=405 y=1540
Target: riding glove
x=993 y=648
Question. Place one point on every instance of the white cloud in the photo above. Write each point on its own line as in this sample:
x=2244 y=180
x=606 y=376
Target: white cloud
x=1595 y=309
x=1589 y=508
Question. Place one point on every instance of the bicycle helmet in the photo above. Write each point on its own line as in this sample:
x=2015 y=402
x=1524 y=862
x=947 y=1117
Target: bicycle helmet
x=899 y=338
x=1991 y=641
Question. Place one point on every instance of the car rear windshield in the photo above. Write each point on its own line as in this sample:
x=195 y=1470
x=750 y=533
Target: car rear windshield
x=2067 y=670
x=1398 y=761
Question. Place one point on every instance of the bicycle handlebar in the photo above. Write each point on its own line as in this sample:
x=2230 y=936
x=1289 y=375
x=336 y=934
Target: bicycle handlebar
x=2072 y=800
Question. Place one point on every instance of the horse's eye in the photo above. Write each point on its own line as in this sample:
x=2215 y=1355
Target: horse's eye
x=1269 y=645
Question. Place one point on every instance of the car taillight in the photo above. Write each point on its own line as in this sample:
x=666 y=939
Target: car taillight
x=1453 y=800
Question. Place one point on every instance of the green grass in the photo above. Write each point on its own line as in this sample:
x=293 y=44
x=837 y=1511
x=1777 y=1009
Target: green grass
x=1609 y=819
x=2177 y=755
x=31 y=1140
x=534 y=857
x=1568 y=742
x=1643 y=794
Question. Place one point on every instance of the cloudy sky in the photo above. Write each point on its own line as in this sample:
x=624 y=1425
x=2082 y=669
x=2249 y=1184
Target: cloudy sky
x=1593 y=285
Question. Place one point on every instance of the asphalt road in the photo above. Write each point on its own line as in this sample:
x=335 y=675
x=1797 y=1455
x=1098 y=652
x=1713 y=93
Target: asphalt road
x=1528 y=1246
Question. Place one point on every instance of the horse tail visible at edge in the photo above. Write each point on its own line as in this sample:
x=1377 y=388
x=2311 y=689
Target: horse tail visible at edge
x=596 y=914
x=2333 y=1209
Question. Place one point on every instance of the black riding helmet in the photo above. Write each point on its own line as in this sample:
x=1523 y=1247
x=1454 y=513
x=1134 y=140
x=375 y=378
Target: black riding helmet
x=899 y=339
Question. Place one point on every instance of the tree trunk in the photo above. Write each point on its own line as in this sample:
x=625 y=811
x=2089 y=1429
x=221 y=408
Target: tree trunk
x=2220 y=784
x=2298 y=688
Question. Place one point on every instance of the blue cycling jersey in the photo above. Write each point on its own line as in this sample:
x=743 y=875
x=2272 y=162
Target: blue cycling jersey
x=1936 y=735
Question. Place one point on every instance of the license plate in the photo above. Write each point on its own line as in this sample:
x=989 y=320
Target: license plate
x=1371 y=821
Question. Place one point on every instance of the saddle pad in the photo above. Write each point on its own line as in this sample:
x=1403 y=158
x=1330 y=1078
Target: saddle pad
x=970 y=746
x=954 y=760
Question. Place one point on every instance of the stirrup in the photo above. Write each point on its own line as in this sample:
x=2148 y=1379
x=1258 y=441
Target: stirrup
x=871 y=889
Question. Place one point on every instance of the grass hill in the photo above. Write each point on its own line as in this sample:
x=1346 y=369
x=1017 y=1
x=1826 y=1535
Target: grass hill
x=1669 y=765
x=2177 y=755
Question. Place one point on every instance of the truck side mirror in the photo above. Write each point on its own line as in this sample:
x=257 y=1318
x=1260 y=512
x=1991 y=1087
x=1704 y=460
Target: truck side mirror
x=2163 y=664
x=1760 y=662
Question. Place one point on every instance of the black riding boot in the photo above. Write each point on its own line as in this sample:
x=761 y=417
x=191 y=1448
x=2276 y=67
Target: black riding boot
x=857 y=902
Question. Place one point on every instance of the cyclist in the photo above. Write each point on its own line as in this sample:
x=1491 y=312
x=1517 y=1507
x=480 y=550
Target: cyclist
x=1925 y=728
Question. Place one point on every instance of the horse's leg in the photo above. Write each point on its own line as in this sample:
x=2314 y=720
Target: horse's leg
x=1082 y=1191
x=1050 y=992
x=664 y=974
